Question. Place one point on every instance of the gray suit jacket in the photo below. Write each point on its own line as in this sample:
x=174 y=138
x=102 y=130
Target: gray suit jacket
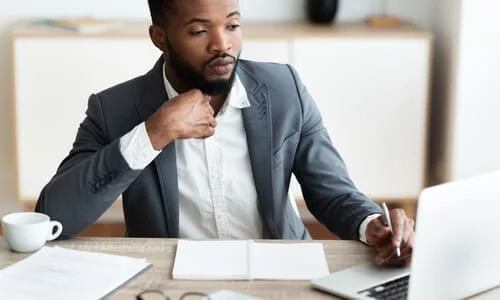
x=285 y=134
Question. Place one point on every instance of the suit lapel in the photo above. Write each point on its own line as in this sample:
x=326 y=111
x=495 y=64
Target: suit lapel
x=166 y=164
x=154 y=93
x=257 y=122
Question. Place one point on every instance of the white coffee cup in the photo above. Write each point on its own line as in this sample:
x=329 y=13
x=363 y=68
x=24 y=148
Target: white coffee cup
x=29 y=231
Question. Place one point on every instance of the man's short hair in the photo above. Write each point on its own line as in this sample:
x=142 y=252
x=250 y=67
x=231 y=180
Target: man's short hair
x=158 y=10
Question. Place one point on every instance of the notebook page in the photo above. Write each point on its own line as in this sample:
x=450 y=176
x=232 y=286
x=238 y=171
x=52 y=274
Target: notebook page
x=59 y=273
x=297 y=261
x=211 y=260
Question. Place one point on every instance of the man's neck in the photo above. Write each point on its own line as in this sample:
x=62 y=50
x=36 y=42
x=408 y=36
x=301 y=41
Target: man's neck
x=179 y=85
x=217 y=102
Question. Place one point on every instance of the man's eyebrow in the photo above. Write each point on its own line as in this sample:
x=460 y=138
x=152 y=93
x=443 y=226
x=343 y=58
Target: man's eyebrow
x=201 y=20
x=197 y=20
x=234 y=13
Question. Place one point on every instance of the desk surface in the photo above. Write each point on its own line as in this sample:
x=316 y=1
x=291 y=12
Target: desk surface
x=160 y=252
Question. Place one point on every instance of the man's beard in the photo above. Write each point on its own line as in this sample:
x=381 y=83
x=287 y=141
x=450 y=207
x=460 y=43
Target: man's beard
x=195 y=79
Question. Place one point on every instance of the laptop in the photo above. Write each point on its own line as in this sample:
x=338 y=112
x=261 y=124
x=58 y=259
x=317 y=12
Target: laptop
x=456 y=248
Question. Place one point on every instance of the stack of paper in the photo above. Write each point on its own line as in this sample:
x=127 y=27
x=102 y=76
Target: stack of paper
x=244 y=260
x=59 y=273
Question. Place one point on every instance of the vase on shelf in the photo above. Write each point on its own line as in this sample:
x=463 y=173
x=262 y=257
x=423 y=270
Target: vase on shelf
x=322 y=11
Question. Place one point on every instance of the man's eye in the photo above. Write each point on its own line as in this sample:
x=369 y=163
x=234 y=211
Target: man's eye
x=234 y=26
x=197 y=33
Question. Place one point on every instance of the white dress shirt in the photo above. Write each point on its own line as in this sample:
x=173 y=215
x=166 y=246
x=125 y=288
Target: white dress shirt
x=217 y=195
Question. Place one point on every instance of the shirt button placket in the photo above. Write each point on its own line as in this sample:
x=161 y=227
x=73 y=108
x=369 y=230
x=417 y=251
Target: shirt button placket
x=212 y=182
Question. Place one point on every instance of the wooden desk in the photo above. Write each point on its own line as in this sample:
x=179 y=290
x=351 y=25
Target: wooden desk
x=160 y=252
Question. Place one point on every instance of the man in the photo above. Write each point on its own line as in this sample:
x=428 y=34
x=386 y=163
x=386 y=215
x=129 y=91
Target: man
x=203 y=146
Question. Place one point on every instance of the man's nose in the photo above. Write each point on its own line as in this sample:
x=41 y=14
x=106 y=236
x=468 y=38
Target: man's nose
x=220 y=42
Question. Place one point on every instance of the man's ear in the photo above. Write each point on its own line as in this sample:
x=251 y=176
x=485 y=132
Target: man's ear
x=158 y=37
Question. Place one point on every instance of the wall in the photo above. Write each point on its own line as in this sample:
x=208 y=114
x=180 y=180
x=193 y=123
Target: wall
x=466 y=92
x=252 y=10
x=446 y=27
x=476 y=142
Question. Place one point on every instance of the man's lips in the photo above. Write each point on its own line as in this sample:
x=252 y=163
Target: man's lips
x=221 y=61
x=221 y=66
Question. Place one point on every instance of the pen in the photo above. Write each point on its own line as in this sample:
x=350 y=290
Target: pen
x=387 y=217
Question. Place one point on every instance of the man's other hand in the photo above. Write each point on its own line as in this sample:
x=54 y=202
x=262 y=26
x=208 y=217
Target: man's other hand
x=189 y=115
x=379 y=235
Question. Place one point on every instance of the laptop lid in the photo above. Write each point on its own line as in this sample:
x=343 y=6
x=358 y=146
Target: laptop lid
x=457 y=246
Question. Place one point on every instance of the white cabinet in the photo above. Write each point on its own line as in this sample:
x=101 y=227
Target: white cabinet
x=55 y=76
x=371 y=88
x=53 y=79
x=372 y=93
x=267 y=50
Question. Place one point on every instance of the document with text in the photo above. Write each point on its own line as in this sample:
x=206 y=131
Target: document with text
x=246 y=260
x=60 y=273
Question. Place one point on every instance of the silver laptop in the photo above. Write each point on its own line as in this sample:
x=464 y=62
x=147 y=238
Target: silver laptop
x=456 y=248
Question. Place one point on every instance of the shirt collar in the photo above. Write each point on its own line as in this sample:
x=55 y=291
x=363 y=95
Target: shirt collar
x=237 y=97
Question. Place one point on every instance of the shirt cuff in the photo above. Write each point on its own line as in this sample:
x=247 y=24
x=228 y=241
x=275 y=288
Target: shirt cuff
x=137 y=149
x=364 y=225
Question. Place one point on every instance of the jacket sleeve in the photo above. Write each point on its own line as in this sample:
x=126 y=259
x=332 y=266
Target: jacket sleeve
x=89 y=179
x=329 y=192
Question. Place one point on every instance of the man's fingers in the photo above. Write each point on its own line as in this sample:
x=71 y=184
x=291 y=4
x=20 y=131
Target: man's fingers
x=386 y=252
x=205 y=131
x=391 y=259
x=210 y=131
x=385 y=247
x=212 y=122
x=378 y=229
x=407 y=249
x=398 y=218
x=380 y=239
x=210 y=110
x=408 y=231
x=408 y=246
x=383 y=258
x=398 y=261
x=377 y=233
x=402 y=260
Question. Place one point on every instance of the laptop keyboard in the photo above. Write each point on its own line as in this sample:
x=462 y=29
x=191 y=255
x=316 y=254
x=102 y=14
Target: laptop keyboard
x=391 y=290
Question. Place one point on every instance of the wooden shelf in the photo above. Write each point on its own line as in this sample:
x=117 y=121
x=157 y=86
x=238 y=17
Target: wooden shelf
x=282 y=30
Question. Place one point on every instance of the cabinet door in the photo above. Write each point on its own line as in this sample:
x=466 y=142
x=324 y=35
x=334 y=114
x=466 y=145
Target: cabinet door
x=372 y=93
x=53 y=80
x=266 y=50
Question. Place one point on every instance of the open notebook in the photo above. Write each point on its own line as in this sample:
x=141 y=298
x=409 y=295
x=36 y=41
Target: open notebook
x=245 y=260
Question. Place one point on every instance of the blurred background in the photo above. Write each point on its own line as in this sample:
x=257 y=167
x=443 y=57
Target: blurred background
x=408 y=89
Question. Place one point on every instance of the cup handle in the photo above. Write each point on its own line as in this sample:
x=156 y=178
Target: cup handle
x=58 y=226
